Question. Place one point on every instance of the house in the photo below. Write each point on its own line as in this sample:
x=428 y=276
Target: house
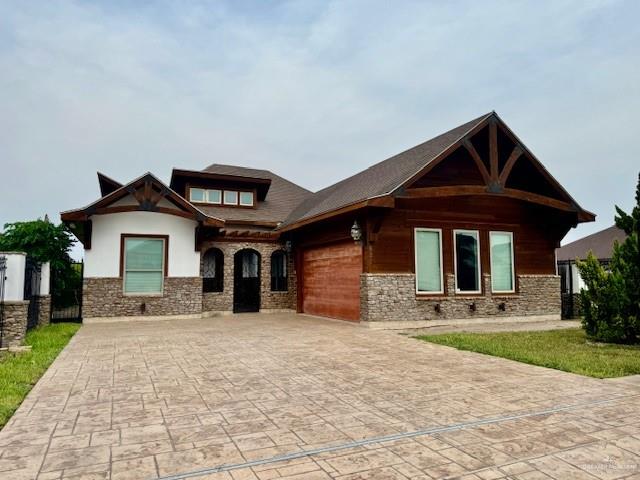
x=601 y=245
x=464 y=225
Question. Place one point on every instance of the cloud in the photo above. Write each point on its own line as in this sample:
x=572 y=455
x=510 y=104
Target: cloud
x=315 y=91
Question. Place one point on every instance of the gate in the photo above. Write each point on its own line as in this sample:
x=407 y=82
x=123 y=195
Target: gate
x=3 y=271
x=32 y=291
x=66 y=294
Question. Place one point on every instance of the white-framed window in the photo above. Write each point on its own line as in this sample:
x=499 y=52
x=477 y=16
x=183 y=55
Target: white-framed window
x=428 y=260
x=197 y=195
x=502 y=269
x=214 y=196
x=246 y=199
x=143 y=264
x=230 y=197
x=466 y=255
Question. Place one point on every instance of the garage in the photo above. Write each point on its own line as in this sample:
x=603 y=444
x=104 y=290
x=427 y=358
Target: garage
x=331 y=281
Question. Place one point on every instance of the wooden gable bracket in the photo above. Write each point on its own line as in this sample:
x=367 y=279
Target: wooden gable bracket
x=486 y=176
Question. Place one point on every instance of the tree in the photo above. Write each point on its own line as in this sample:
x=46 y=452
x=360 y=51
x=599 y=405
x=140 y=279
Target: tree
x=611 y=300
x=44 y=242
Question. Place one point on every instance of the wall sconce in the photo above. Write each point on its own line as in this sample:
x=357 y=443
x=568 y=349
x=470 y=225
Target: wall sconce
x=437 y=308
x=288 y=246
x=356 y=231
x=472 y=306
x=502 y=306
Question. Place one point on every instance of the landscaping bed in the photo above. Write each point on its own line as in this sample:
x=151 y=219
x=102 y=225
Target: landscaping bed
x=569 y=350
x=19 y=372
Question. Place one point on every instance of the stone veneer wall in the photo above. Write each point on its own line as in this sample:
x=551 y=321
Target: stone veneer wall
x=104 y=297
x=392 y=297
x=44 y=310
x=223 y=301
x=14 y=316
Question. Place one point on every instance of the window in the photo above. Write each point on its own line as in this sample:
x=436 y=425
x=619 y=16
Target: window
x=250 y=264
x=246 y=199
x=230 y=197
x=502 y=274
x=201 y=195
x=428 y=251
x=144 y=264
x=212 y=271
x=214 y=196
x=279 y=271
x=196 y=194
x=467 y=261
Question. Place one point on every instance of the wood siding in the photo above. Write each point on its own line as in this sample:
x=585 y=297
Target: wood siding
x=537 y=232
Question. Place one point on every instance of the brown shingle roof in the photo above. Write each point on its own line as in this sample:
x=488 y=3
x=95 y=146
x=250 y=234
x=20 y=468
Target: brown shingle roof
x=282 y=197
x=600 y=243
x=381 y=178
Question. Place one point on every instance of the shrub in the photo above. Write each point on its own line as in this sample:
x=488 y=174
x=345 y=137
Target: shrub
x=611 y=300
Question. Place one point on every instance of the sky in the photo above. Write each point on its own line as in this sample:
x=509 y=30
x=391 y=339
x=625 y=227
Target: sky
x=312 y=90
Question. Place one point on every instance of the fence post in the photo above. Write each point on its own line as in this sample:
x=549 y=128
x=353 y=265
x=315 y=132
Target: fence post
x=14 y=307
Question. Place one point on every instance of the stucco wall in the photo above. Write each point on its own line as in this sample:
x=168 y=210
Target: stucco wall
x=392 y=297
x=223 y=301
x=103 y=259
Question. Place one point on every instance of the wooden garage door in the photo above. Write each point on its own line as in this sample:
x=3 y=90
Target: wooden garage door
x=331 y=281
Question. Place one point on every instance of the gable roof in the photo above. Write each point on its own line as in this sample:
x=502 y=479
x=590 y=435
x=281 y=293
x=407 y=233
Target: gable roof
x=282 y=197
x=600 y=243
x=386 y=177
x=382 y=178
x=107 y=184
x=147 y=201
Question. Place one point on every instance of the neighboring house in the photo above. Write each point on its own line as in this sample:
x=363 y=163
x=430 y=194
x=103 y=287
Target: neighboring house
x=464 y=225
x=601 y=244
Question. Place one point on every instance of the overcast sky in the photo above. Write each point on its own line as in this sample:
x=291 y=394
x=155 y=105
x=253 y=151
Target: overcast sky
x=312 y=90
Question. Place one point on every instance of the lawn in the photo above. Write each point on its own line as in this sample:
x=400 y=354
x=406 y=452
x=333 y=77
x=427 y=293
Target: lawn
x=20 y=371
x=567 y=349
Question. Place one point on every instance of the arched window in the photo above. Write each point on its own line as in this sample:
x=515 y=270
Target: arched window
x=213 y=271
x=279 y=271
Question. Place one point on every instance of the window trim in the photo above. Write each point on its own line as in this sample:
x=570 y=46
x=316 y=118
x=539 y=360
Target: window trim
x=513 y=263
x=455 y=262
x=165 y=260
x=246 y=204
x=415 y=260
x=214 y=190
x=204 y=195
x=224 y=200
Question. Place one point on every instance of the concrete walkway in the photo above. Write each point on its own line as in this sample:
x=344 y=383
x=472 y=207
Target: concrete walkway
x=163 y=399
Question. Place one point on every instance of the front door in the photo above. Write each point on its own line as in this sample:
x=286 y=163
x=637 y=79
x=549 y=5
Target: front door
x=246 y=281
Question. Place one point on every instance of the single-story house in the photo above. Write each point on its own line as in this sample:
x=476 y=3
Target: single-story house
x=601 y=245
x=463 y=225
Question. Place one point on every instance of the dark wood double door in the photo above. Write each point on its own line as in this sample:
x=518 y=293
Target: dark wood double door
x=246 y=281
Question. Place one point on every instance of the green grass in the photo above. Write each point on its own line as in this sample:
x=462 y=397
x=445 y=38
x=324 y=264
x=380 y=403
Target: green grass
x=20 y=371
x=568 y=350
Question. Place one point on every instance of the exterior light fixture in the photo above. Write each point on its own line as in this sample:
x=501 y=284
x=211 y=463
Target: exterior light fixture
x=356 y=231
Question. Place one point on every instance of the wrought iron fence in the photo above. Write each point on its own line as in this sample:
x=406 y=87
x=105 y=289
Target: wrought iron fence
x=66 y=298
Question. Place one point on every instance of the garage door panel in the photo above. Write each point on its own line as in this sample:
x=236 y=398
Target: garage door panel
x=331 y=286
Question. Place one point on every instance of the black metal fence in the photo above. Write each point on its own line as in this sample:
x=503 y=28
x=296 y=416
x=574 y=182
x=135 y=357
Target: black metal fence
x=66 y=298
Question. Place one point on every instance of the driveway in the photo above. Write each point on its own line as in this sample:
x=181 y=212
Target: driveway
x=294 y=397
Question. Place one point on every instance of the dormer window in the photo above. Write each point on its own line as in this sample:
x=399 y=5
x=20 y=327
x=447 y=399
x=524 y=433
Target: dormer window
x=202 y=195
x=219 y=196
x=246 y=199
x=230 y=197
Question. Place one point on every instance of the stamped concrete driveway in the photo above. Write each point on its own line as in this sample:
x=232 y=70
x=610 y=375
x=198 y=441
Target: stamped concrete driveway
x=293 y=397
